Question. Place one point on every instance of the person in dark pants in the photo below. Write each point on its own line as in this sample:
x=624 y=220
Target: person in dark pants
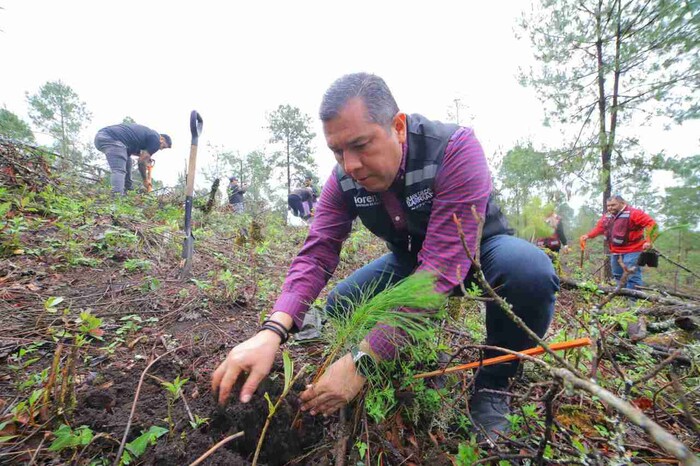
x=120 y=142
x=301 y=202
x=405 y=177
x=235 y=195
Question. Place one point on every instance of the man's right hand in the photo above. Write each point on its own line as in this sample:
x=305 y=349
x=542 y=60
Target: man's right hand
x=583 y=238
x=254 y=356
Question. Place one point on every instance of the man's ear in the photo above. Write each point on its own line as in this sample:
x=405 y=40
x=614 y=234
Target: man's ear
x=399 y=125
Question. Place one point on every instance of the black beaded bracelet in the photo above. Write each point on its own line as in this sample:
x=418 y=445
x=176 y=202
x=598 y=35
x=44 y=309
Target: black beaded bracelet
x=283 y=336
x=278 y=325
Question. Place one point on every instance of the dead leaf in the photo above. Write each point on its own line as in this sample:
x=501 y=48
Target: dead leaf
x=643 y=403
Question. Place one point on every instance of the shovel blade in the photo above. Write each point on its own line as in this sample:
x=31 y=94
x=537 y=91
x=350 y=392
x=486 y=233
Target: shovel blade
x=187 y=252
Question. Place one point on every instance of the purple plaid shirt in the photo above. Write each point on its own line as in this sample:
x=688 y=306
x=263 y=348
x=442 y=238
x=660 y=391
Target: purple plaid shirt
x=462 y=181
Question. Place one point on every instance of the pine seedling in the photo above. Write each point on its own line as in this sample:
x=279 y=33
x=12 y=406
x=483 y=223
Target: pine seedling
x=414 y=292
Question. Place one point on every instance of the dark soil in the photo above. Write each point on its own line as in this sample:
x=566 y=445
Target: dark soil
x=105 y=406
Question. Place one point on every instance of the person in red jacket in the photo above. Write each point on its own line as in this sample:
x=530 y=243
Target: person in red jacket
x=624 y=227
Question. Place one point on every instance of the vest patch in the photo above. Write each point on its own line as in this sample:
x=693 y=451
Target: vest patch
x=367 y=201
x=418 y=199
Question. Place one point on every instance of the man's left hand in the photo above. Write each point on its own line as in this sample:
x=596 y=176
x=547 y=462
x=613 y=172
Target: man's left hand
x=336 y=388
x=647 y=245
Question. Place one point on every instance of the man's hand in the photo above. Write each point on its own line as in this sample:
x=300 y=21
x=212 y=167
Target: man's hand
x=144 y=157
x=647 y=245
x=565 y=249
x=336 y=388
x=255 y=357
x=583 y=238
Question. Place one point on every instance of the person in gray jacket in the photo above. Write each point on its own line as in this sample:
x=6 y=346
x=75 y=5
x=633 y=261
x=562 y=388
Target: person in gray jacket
x=120 y=142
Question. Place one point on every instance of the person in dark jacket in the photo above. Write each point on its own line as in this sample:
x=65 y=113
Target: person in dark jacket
x=120 y=142
x=235 y=195
x=406 y=178
x=301 y=201
x=557 y=240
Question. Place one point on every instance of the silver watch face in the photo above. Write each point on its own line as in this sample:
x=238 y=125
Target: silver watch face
x=359 y=355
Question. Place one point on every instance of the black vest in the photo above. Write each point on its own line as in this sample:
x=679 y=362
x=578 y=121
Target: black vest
x=427 y=141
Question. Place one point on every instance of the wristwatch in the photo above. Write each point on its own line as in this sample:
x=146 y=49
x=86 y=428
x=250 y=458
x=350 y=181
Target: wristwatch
x=364 y=363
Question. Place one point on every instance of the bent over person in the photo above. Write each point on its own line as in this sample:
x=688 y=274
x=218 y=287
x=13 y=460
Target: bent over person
x=120 y=142
x=626 y=229
x=301 y=202
x=557 y=239
x=405 y=177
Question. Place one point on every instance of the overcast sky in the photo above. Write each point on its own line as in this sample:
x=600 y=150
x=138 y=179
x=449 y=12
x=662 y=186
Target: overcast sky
x=235 y=61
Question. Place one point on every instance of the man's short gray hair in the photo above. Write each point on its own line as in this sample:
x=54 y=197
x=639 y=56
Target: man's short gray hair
x=616 y=197
x=381 y=106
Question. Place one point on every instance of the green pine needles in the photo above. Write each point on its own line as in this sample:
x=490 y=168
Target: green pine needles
x=415 y=292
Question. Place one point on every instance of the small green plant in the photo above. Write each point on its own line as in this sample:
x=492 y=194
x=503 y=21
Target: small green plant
x=26 y=410
x=150 y=284
x=89 y=325
x=468 y=453
x=51 y=303
x=174 y=390
x=69 y=438
x=380 y=401
x=201 y=284
x=623 y=319
x=138 y=446
x=230 y=282
x=199 y=421
x=361 y=448
x=133 y=265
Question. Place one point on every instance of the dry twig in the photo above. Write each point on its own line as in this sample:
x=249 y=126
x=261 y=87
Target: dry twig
x=216 y=447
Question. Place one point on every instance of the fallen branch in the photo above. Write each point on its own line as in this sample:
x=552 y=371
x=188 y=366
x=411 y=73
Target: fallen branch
x=626 y=272
x=657 y=433
x=572 y=284
x=502 y=303
x=660 y=435
x=216 y=447
x=680 y=266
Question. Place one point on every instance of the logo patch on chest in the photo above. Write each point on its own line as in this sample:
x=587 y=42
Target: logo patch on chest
x=367 y=201
x=420 y=198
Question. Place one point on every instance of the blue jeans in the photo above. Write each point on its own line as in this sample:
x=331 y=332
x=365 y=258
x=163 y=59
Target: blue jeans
x=630 y=260
x=520 y=272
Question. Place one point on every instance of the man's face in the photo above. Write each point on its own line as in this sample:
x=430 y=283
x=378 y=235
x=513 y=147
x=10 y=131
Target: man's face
x=163 y=143
x=368 y=152
x=615 y=206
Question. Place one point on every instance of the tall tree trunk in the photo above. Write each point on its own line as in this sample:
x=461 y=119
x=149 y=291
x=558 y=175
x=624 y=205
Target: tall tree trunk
x=289 y=168
x=64 y=144
x=603 y=140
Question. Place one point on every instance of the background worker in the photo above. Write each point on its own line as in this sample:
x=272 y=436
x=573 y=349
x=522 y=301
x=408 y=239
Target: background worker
x=626 y=229
x=120 y=142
